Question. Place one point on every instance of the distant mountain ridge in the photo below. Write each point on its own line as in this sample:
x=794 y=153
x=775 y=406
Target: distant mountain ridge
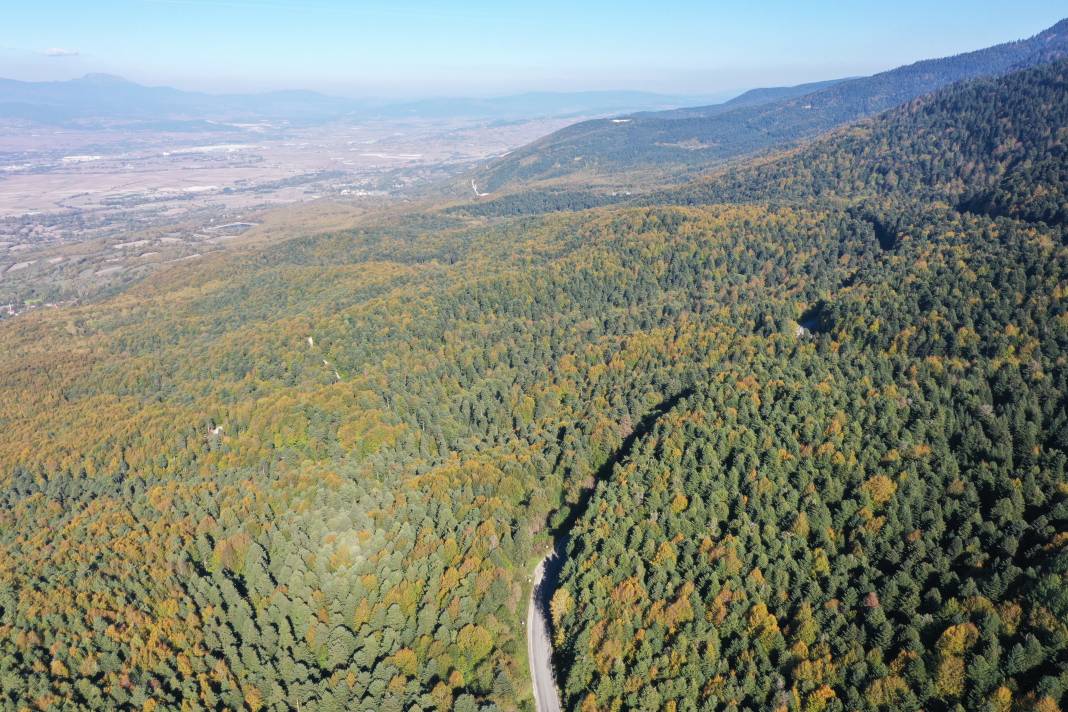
x=758 y=121
x=753 y=97
x=109 y=97
x=989 y=146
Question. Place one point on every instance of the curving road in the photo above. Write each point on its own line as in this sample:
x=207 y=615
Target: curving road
x=539 y=645
x=547 y=572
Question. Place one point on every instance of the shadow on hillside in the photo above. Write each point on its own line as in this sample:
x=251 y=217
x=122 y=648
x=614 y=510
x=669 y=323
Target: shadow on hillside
x=562 y=534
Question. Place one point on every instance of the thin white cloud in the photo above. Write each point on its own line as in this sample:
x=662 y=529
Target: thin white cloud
x=60 y=52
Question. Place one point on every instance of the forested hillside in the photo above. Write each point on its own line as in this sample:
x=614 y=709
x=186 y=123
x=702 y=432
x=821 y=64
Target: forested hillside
x=822 y=411
x=995 y=147
x=870 y=511
x=870 y=516
x=703 y=137
x=227 y=512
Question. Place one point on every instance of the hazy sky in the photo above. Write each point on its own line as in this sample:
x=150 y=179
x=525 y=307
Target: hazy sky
x=424 y=47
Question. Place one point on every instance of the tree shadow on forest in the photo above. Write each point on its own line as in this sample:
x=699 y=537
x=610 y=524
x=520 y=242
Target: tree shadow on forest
x=554 y=564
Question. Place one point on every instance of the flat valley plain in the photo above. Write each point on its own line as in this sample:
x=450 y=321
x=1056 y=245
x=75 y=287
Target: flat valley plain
x=87 y=210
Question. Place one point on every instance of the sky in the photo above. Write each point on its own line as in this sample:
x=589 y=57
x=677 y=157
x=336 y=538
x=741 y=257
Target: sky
x=479 y=47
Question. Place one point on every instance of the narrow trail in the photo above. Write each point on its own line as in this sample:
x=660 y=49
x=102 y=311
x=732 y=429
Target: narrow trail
x=546 y=576
x=474 y=189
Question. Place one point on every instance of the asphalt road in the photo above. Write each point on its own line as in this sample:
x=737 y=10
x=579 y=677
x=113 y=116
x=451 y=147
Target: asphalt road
x=540 y=650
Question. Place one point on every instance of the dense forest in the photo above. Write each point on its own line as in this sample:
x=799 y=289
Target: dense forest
x=247 y=513
x=873 y=514
x=810 y=429
x=870 y=511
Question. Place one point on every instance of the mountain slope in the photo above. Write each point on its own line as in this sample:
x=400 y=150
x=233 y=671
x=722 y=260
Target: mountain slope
x=704 y=138
x=810 y=450
x=312 y=476
x=863 y=504
x=753 y=97
x=995 y=146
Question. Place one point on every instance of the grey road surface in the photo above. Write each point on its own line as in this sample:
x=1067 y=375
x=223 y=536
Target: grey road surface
x=540 y=650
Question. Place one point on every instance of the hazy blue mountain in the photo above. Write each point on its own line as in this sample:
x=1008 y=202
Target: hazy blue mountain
x=538 y=104
x=103 y=97
x=757 y=121
x=107 y=97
